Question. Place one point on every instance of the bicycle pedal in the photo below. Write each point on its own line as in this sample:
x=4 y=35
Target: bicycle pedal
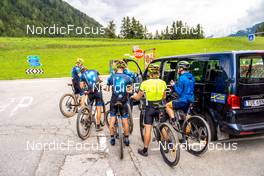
x=154 y=139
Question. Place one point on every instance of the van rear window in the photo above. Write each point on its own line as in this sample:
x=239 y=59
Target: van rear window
x=251 y=69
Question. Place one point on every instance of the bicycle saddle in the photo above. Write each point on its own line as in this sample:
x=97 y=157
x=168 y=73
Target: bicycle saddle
x=119 y=103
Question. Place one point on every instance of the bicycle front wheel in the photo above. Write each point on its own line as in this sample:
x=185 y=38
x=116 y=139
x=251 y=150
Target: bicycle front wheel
x=68 y=105
x=84 y=123
x=169 y=144
x=121 y=138
x=197 y=135
x=141 y=125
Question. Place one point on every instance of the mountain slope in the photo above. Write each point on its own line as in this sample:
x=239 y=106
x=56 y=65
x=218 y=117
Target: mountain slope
x=256 y=28
x=15 y=15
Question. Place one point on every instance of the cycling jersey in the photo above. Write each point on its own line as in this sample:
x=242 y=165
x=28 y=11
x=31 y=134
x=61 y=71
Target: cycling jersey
x=154 y=89
x=128 y=73
x=76 y=80
x=91 y=78
x=119 y=81
x=75 y=72
x=131 y=75
x=185 y=87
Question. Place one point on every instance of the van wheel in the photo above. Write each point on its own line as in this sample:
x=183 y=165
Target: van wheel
x=211 y=124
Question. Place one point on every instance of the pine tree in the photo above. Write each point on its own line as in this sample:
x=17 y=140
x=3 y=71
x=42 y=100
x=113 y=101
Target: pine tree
x=167 y=34
x=134 y=28
x=123 y=28
x=157 y=36
x=110 y=30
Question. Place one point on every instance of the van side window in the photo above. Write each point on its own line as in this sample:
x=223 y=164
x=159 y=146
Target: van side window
x=169 y=71
x=146 y=74
x=211 y=71
x=197 y=69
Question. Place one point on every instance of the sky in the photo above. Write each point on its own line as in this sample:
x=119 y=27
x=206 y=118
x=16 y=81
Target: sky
x=218 y=17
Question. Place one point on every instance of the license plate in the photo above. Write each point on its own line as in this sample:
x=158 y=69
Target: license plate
x=254 y=103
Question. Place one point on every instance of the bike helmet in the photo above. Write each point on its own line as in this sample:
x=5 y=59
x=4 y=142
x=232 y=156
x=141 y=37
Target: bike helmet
x=184 y=64
x=154 y=69
x=120 y=64
x=80 y=61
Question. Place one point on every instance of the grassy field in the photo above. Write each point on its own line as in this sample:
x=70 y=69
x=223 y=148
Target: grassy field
x=59 y=54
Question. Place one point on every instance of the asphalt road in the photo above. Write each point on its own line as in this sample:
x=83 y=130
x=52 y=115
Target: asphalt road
x=35 y=139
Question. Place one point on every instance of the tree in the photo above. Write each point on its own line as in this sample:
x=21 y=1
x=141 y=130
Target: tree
x=157 y=36
x=167 y=34
x=145 y=32
x=260 y=28
x=110 y=30
x=134 y=28
x=199 y=30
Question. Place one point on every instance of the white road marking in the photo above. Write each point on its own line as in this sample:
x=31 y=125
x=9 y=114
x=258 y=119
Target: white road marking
x=103 y=143
x=23 y=103
x=6 y=104
x=109 y=172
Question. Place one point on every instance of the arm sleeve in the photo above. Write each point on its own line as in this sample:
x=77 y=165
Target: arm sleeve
x=179 y=86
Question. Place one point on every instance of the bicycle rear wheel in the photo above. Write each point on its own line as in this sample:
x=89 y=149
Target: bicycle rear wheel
x=84 y=123
x=197 y=135
x=169 y=144
x=130 y=120
x=68 y=105
x=121 y=138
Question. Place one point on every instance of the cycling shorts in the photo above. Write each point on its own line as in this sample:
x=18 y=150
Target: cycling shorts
x=97 y=97
x=114 y=108
x=176 y=104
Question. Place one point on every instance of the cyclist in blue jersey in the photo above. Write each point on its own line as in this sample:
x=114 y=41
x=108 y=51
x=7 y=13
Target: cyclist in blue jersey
x=76 y=73
x=89 y=81
x=184 y=89
x=121 y=85
x=126 y=71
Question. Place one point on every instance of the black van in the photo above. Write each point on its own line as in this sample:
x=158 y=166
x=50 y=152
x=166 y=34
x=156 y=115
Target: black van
x=229 y=88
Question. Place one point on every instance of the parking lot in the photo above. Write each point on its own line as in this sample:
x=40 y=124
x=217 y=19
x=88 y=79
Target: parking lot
x=35 y=139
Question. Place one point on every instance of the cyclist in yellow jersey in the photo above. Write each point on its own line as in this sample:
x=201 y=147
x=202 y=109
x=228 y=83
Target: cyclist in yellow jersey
x=155 y=91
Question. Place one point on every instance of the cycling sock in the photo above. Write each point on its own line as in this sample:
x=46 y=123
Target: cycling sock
x=112 y=136
x=126 y=136
x=145 y=149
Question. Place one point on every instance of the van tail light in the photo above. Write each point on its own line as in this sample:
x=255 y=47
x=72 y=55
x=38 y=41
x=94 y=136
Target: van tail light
x=234 y=101
x=246 y=133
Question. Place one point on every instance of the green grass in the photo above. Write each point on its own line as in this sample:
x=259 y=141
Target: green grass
x=59 y=54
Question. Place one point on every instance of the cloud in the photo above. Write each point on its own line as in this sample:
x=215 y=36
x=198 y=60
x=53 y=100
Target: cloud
x=219 y=18
x=254 y=15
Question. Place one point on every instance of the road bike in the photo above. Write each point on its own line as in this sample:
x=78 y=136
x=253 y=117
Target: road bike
x=164 y=134
x=130 y=118
x=192 y=128
x=69 y=103
x=87 y=117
